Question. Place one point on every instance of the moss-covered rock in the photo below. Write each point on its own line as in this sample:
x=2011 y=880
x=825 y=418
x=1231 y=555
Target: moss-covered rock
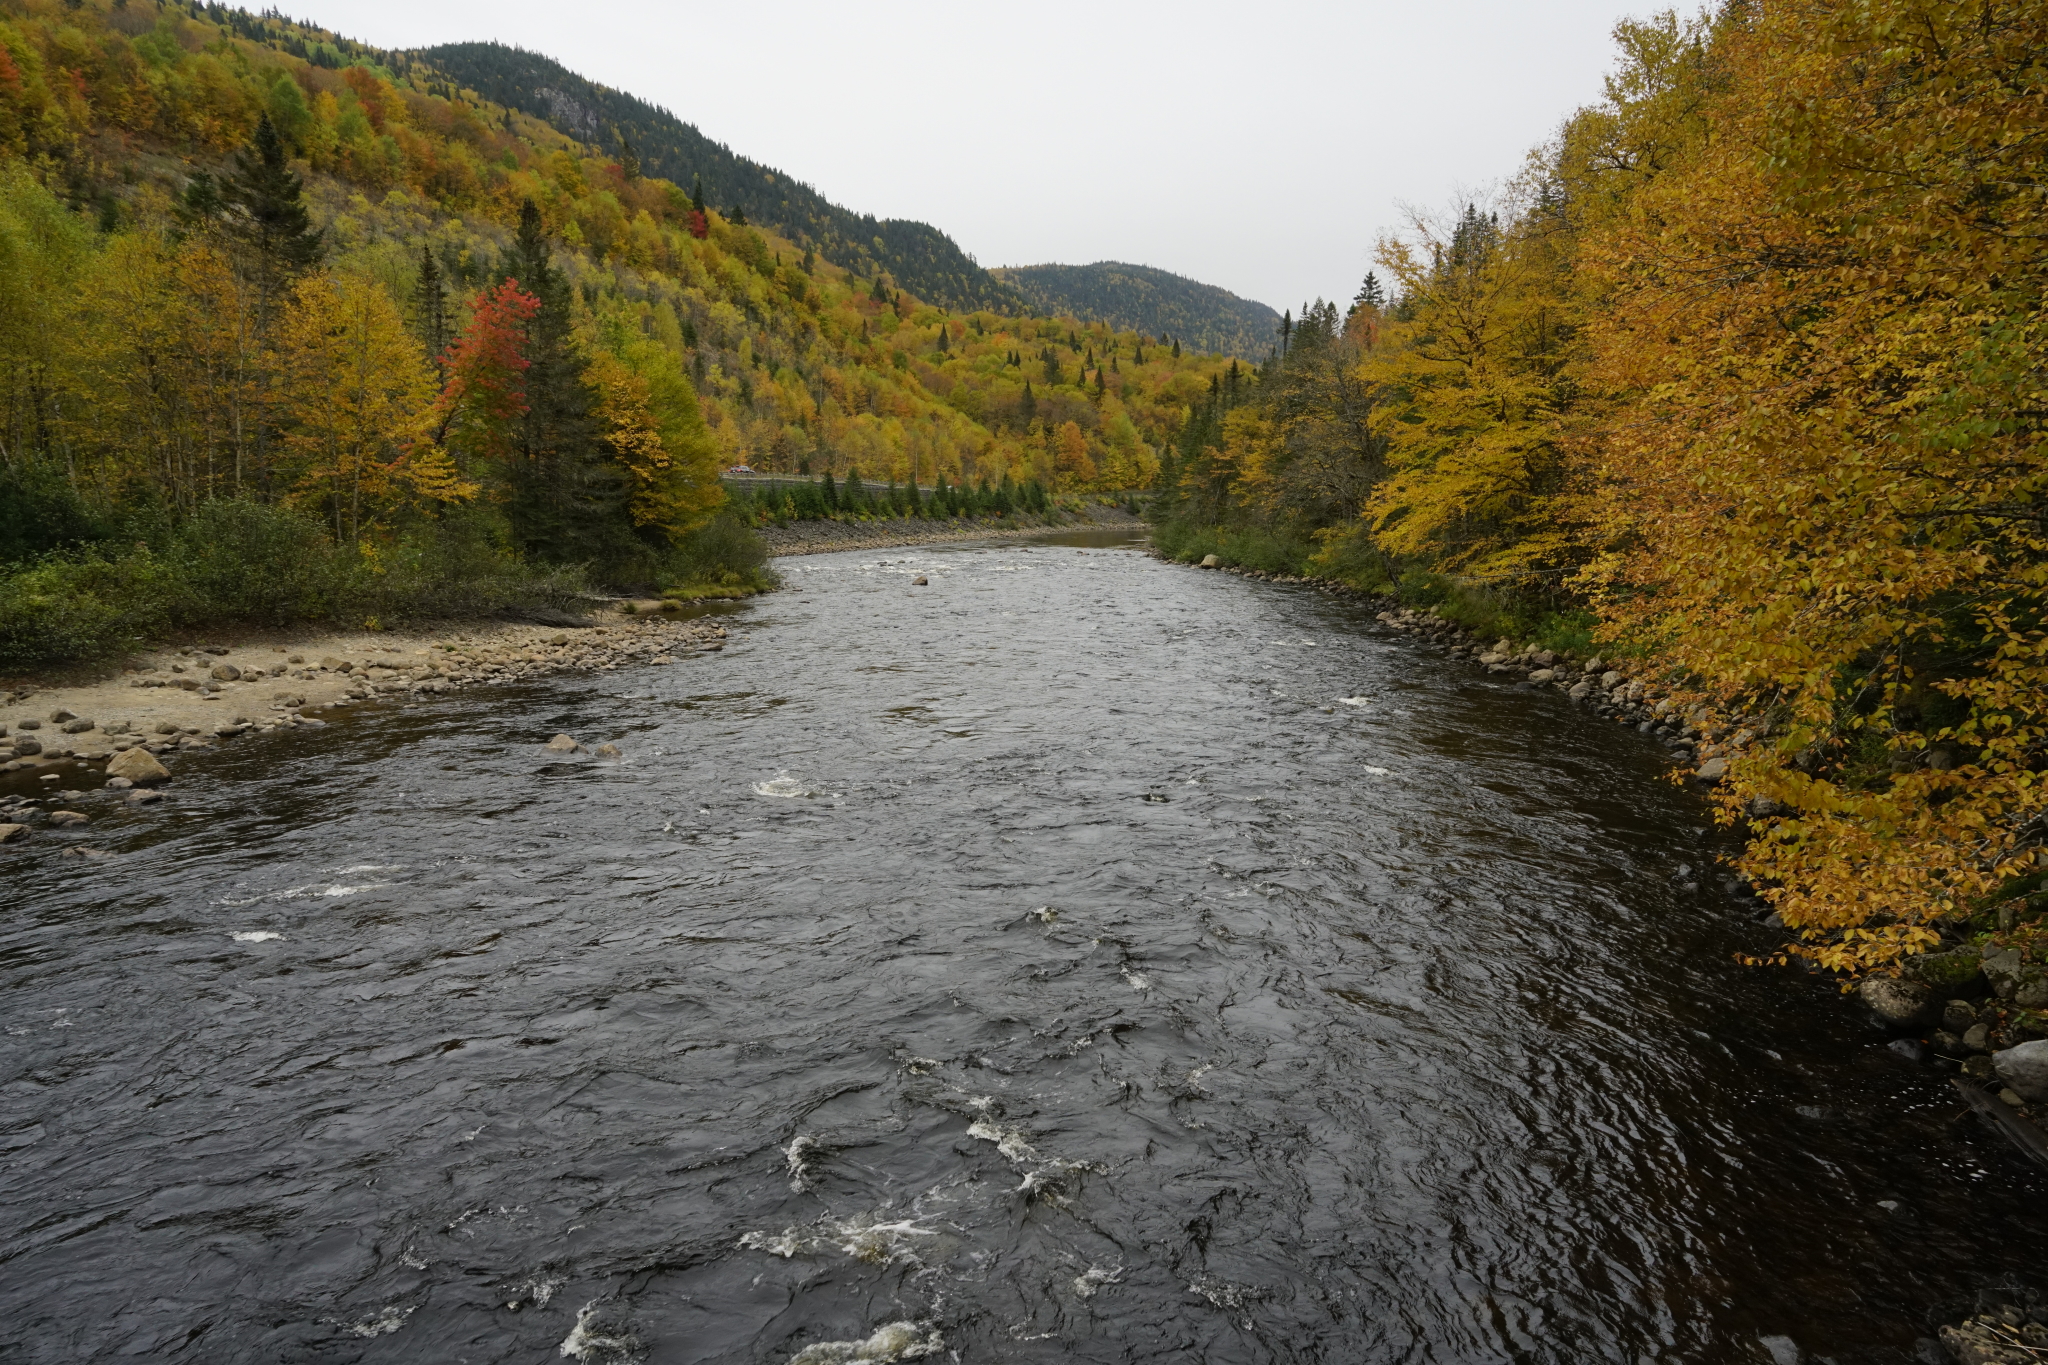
x=1958 y=972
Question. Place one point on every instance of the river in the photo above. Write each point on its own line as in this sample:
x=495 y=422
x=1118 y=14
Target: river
x=1079 y=958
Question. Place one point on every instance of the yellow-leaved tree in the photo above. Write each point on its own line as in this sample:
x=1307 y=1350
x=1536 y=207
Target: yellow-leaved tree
x=1473 y=386
x=648 y=411
x=356 y=404
x=1826 y=494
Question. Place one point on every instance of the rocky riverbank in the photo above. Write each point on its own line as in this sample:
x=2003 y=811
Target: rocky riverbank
x=824 y=537
x=127 y=733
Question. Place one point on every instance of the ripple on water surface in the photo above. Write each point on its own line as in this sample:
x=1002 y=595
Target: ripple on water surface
x=1074 y=958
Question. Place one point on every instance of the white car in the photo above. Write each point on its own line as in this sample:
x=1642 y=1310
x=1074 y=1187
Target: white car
x=741 y=469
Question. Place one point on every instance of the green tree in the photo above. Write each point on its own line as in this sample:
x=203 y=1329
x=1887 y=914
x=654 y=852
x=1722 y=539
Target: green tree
x=566 y=500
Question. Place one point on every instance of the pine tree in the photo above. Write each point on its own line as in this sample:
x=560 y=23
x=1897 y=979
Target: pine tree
x=831 y=492
x=629 y=160
x=878 y=293
x=810 y=261
x=1027 y=407
x=1176 y=350
x=697 y=194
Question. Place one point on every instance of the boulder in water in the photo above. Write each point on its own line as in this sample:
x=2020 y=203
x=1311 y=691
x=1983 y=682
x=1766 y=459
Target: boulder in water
x=139 y=766
x=1896 y=1002
x=2025 y=1069
x=9 y=833
x=563 y=744
x=1211 y=562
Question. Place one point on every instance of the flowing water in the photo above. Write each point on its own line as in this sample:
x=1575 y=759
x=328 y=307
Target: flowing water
x=1077 y=959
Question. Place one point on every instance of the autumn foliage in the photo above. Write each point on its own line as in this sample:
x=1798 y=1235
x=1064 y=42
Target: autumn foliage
x=1748 y=362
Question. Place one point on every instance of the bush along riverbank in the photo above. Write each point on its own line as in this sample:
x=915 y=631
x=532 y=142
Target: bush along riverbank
x=1975 y=1007
x=73 y=753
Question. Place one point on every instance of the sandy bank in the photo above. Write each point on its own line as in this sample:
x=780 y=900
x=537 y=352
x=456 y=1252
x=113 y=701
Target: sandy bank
x=182 y=698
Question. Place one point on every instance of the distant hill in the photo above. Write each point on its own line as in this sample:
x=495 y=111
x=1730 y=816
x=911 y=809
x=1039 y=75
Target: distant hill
x=915 y=256
x=1147 y=300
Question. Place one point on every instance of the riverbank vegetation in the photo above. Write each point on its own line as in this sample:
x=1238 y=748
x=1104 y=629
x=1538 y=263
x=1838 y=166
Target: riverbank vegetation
x=1744 y=368
x=253 y=273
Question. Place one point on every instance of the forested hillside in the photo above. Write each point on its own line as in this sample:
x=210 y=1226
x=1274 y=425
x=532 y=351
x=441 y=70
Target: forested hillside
x=1137 y=297
x=291 y=328
x=915 y=256
x=1743 y=374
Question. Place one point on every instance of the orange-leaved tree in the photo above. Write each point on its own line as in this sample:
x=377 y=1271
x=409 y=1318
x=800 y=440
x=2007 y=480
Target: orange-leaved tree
x=484 y=395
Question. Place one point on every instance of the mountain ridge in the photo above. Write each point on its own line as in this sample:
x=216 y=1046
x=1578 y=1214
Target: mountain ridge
x=1147 y=299
x=913 y=255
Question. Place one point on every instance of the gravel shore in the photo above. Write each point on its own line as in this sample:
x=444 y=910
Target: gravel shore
x=194 y=697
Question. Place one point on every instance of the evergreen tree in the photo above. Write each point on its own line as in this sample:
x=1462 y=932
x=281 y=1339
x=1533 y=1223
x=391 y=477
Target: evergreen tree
x=878 y=293
x=735 y=215
x=810 y=261
x=1027 y=408
x=566 y=496
x=697 y=194
x=264 y=206
x=1370 y=294
x=831 y=492
x=1100 y=384
x=629 y=160
x=430 y=301
x=1176 y=350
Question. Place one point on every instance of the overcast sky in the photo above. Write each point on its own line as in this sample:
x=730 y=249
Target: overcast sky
x=1257 y=147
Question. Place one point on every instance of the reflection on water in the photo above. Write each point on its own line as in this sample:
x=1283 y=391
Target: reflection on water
x=1077 y=958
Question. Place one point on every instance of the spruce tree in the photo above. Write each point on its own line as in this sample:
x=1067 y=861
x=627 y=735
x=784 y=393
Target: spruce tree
x=1027 y=407
x=1176 y=350
x=831 y=493
x=566 y=495
x=430 y=301
x=697 y=194
x=264 y=206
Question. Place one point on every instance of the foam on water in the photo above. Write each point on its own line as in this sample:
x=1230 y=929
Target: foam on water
x=255 y=936
x=897 y=1341
x=783 y=785
x=1354 y=701
x=1090 y=1281
x=868 y=1238
x=593 y=1342
x=384 y=1324
x=1008 y=1141
x=803 y=1152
